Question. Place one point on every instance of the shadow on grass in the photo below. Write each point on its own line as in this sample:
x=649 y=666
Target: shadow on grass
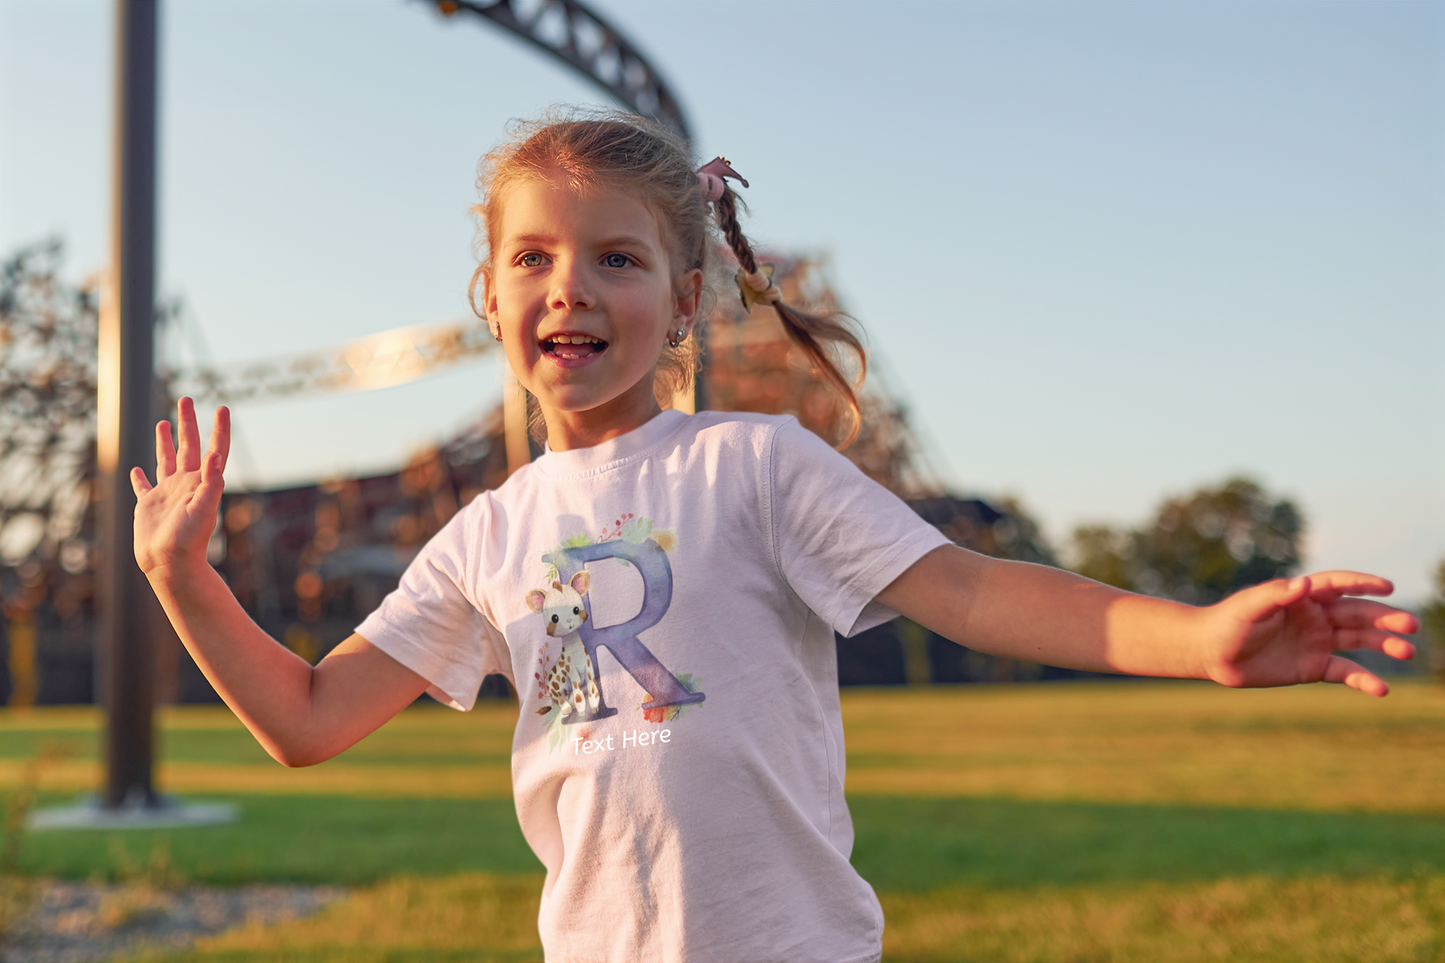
x=303 y=839
x=916 y=845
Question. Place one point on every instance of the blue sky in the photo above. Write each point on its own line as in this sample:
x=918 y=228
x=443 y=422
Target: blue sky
x=1107 y=252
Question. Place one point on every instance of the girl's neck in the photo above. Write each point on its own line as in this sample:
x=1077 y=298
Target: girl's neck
x=567 y=430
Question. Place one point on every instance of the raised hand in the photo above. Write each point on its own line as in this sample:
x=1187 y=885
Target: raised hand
x=174 y=518
x=1287 y=631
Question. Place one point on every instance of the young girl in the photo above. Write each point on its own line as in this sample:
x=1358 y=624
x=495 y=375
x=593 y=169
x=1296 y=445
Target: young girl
x=663 y=589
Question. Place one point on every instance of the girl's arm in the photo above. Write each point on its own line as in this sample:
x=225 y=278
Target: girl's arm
x=1276 y=633
x=300 y=714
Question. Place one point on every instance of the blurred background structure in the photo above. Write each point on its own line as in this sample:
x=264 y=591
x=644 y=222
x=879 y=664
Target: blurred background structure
x=1112 y=252
x=1109 y=270
x=309 y=562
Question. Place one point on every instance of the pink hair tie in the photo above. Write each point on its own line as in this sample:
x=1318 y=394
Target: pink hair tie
x=710 y=178
x=712 y=187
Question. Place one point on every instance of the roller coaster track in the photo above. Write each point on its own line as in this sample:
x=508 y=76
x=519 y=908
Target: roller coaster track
x=375 y=361
x=570 y=32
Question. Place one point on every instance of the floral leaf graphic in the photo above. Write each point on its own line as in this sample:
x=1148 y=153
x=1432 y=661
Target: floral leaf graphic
x=554 y=731
x=580 y=540
x=690 y=682
x=637 y=530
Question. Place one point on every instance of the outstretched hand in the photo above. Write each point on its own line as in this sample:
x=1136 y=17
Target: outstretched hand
x=175 y=517
x=1287 y=631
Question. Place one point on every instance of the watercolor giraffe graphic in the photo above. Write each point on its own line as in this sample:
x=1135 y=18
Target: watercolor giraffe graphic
x=572 y=681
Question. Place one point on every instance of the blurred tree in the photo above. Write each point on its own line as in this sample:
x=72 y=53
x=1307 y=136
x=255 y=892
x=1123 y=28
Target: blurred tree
x=1104 y=554
x=1016 y=535
x=47 y=468
x=1432 y=624
x=1198 y=548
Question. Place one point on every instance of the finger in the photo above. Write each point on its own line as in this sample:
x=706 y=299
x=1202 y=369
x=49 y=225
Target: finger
x=165 y=452
x=1355 y=613
x=188 y=458
x=1376 y=641
x=138 y=482
x=221 y=436
x=213 y=483
x=1344 y=671
x=1325 y=586
x=1259 y=602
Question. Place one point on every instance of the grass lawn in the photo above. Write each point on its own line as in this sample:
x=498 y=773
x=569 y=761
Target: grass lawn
x=1097 y=821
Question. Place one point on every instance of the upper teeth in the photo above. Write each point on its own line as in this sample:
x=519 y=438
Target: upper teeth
x=575 y=339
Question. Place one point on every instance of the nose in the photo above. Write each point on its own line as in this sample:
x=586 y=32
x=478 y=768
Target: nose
x=571 y=286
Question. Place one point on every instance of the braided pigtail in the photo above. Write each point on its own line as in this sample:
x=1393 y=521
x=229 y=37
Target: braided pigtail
x=816 y=333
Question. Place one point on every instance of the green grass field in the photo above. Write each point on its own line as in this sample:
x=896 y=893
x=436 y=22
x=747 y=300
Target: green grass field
x=1091 y=821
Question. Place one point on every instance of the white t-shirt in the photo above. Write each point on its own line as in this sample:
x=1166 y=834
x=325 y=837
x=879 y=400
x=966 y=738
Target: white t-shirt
x=678 y=760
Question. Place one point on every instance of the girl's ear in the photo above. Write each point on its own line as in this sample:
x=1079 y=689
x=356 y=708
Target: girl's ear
x=689 y=298
x=489 y=295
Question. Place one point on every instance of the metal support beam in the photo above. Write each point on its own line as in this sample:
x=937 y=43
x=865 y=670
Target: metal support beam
x=125 y=393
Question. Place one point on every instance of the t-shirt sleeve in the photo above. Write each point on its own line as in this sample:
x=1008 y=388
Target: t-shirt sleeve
x=839 y=538
x=432 y=623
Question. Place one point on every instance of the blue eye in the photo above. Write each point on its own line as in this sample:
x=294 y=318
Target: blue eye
x=617 y=260
x=530 y=260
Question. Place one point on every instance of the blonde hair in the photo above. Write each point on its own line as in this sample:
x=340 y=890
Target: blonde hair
x=612 y=149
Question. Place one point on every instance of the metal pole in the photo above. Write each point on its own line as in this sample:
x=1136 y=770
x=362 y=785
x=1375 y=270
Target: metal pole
x=124 y=408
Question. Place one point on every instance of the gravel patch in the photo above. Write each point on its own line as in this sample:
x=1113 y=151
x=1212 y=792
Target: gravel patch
x=72 y=922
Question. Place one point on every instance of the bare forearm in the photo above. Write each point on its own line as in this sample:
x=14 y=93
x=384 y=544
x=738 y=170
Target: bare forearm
x=266 y=685
x=1043 y=614
x=1077 y=623
x=1280 y=632
x=301 y=715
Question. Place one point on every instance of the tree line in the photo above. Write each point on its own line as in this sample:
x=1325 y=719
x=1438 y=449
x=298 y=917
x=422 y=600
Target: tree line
x=1197 y=548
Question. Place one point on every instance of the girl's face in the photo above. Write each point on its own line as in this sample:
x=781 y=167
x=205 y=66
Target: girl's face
x=583 y=294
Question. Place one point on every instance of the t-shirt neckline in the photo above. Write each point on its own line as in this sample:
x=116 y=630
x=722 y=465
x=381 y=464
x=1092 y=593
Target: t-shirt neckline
x=613 y=451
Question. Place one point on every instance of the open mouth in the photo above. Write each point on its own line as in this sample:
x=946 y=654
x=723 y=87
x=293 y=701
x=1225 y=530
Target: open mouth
x=573 y=347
